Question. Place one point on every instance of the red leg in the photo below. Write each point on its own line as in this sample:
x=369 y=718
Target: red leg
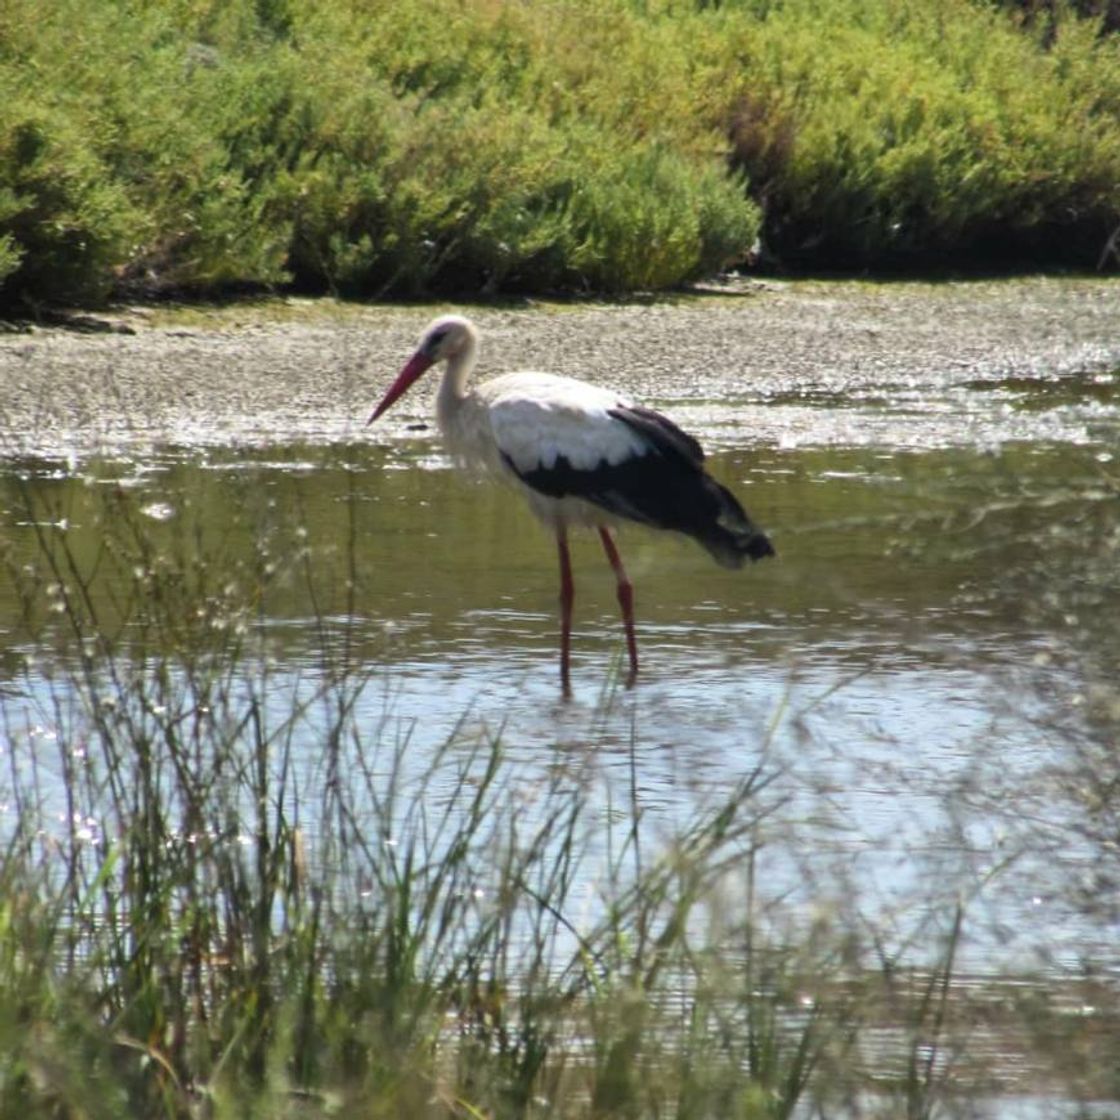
x=625 y=598
x=567 y=597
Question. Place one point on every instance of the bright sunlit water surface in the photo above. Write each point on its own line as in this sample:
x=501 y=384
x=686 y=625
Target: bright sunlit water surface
x=914 y=672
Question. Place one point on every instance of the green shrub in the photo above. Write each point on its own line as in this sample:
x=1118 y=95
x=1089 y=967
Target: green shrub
x=63 y=223
x=168 y=184
x=648 y=220
x=462 y=152
x=10 y=252
x=926 y=131
x=448 y=146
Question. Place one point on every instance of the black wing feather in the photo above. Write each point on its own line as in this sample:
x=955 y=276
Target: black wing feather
x=665 y=487
x=661 y=432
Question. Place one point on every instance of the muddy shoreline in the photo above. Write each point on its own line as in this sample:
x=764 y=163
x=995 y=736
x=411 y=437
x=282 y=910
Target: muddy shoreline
x=301 y=370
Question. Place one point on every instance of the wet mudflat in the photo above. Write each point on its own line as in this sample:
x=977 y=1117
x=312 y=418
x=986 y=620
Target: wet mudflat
x=928 y=669
x=783 y=364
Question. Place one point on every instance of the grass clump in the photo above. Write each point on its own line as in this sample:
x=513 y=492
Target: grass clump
x=233 y=886
x=228 y=890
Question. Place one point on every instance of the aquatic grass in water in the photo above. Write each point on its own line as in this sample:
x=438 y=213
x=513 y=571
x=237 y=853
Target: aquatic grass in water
x=228 y=890
x=224 y=893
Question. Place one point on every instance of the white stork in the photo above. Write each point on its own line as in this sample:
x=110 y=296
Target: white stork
x=581 y=455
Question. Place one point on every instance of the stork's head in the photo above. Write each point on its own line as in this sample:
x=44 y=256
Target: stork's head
x=447 y=338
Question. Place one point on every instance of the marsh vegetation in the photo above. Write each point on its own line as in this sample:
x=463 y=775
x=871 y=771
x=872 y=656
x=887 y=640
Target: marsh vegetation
x=434 y=146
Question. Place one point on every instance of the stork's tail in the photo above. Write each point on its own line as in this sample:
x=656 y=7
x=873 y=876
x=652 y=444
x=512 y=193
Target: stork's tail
x=730 y=536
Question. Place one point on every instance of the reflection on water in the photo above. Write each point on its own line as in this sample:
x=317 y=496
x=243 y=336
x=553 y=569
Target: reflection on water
x=927 y=634
x=885 y=559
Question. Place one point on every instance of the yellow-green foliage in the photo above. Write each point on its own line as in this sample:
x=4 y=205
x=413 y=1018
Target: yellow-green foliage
x=418 y=145
x=504 y=155
x=920 y=127
x=63 y=220
x=368 y=149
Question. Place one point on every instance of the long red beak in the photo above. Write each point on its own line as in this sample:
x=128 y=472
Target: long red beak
x=416 y=365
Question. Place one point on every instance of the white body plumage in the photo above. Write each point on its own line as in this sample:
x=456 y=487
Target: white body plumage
x=524 y=422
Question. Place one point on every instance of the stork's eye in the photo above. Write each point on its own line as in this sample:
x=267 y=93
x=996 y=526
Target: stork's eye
x=435 y=340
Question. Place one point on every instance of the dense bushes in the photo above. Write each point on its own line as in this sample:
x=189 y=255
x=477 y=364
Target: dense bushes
x=407 y=148
x=924 y=132
x=63 y=220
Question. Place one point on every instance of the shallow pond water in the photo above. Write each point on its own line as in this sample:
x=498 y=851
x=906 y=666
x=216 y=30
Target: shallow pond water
x=915 y=663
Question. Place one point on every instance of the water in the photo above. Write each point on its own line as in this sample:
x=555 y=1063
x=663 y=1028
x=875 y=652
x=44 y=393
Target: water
x=926 y=635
